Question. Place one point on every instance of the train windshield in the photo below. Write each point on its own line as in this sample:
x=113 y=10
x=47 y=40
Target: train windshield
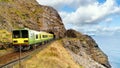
x=24 y=33
x=16 y=34
x=20 y=34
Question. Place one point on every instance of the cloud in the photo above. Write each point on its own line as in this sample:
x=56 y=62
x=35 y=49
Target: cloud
x=91 y=14
x=108 y=20
x=87 y=11
x=108 y=30
x=57 y=4
x=98 y=30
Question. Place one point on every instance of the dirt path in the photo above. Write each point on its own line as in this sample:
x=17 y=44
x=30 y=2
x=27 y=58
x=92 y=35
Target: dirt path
x=6 y=51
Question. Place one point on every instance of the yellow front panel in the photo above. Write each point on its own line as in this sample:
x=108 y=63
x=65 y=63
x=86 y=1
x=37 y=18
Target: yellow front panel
x=20 y=41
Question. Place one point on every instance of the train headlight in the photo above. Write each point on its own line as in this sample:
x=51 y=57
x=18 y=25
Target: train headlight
x=15 y=41
x=25 y=40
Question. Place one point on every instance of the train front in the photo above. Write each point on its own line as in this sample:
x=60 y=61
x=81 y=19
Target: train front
x=20 y=38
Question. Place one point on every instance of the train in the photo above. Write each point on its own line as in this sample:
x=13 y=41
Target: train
x=27 y=38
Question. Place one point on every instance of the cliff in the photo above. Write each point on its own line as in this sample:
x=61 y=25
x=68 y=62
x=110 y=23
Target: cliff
x=29 y=14
x=83 y=49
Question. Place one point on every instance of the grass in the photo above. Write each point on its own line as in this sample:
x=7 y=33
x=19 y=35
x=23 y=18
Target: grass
x=18 y=13
x=5 y=36
x=4 y=0
x=4 y=52
x=54 y=56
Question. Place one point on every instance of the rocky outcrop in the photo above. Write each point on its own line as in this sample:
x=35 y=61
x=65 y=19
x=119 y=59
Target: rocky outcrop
x=53 y=22
x=29 y=14
x=84 y=46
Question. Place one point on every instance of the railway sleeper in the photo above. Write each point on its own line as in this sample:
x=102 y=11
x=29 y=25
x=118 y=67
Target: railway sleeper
x=23 y=48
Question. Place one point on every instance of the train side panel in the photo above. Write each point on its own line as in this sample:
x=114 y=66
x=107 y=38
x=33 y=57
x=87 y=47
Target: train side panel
x=46 y=36
x=34 y=37
x=31 y=37
x=37 y=37
x=50 y=36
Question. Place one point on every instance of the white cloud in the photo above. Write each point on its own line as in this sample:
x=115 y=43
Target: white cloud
x=91 y=14
x=98 y=30
x=108 y=20
x=87 y=11
x=108 y=30
x=60 y=3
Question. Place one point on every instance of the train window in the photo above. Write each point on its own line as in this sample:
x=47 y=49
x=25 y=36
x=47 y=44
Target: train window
x=24 y=33
x=36 y=36
x=45 y=36
x=16 y=34
x=39 y=36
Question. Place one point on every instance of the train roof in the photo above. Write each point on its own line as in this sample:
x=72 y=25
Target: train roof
x=21 y=29
x=31 y=30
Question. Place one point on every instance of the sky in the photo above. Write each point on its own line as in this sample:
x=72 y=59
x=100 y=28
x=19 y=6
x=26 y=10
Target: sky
x=99 y=17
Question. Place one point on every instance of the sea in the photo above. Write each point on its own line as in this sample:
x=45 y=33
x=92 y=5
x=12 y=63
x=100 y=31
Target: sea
x=110 y=45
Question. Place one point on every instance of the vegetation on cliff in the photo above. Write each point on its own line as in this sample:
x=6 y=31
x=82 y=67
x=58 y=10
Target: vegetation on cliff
x=54 y=56
x=16 y=14
x=5 y=38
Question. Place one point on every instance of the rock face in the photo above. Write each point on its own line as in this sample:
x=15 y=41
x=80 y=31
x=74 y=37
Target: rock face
x=29 y=14
x=86 y=47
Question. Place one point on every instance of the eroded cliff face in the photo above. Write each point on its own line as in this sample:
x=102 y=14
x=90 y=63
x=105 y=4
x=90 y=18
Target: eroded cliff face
x=85 y=50
x=29 y=14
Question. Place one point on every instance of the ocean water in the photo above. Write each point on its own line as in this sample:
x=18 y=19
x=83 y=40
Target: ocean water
x=110 y=45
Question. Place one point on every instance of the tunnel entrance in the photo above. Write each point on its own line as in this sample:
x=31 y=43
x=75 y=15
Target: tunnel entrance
x=53 y=34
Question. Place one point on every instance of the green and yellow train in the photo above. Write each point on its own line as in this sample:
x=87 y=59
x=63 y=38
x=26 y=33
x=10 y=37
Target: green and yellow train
x=27 y=38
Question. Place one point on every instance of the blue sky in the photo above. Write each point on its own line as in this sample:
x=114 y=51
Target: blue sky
x=101 y=1
x=100 y=17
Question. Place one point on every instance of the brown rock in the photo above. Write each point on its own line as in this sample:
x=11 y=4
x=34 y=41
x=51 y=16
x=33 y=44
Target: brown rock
x=85 y=44
x=73 y=34
x=96 y=53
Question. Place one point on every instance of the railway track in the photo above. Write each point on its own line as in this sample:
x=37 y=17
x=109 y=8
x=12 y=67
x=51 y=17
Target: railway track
x=7 y=61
